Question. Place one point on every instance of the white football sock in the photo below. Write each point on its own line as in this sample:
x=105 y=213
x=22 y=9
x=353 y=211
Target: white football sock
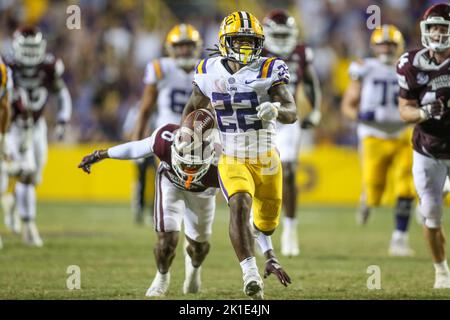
x=26 y=201
x=290 y=223
x=248 y=264
x=442 y=267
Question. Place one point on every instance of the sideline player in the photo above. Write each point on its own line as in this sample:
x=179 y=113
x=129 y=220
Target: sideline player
x=281 y=32
x=186 y=185
x=424 y=79
x=249 y=94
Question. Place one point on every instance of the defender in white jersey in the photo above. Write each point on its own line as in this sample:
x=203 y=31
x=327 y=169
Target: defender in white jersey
x=384 y=139
x=249 y=94
x=168 y=80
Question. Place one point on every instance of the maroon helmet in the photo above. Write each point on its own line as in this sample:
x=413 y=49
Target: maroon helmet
x=29 y=46
x=438 y=14
x=280 y=30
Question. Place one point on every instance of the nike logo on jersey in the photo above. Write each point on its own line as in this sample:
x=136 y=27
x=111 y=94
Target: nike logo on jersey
x=250 y=81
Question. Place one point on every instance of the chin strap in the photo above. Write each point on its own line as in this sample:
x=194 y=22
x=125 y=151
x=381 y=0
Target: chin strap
x=188 y=182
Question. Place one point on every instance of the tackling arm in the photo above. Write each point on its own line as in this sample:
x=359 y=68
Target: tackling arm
x=197 y=100
x=130 y=150
x=146 y=109
x=287 y=111
x=351 y=99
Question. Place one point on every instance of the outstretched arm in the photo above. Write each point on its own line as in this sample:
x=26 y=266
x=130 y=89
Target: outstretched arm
x=197 y=100
x=130 y=150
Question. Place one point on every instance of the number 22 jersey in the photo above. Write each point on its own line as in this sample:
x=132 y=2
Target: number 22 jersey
x=235 y=97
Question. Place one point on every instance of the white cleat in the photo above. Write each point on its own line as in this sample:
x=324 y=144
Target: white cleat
x=159 y=286
x=253 y=285
x=289 y=242
x=31 y=235
x=12 y=220
x=192 y=282
x=442 y=280
x=399 y=246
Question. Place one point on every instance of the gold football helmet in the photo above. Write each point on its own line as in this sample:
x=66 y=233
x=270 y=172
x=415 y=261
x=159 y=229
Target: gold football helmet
x=241 y=37
x=388 y=34
x=184 y=34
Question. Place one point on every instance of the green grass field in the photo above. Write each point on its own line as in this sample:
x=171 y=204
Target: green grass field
x=116 y=258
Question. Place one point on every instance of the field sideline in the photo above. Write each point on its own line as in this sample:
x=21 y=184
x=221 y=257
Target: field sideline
x=116 y=258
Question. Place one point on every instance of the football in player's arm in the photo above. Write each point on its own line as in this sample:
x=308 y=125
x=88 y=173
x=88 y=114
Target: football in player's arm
x=247 y=102
x=181 y=176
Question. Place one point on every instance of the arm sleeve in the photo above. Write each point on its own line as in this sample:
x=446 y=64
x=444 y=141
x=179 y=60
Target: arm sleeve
x=405 y=78
x=133 y=150
x=279 y=73
x=357 y=70
x=153 y=72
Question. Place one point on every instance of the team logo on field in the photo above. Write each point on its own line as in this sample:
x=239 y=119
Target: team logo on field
x=422 y=78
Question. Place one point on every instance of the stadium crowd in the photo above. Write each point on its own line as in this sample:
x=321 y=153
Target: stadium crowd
x=118 y=38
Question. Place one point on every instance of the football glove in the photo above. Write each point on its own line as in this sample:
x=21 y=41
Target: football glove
x=268 y=111
x=273 y=267
x=434 y=110
x=312 y=120
x=90 y=159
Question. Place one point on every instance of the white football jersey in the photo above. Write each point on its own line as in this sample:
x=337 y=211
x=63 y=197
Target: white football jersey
x=379 y=94
x=235 y=98
x=174 y=89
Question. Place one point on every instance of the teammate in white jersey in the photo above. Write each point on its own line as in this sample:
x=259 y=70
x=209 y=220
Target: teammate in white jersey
x=249 y=94
x=384 y=139
x=168 y=80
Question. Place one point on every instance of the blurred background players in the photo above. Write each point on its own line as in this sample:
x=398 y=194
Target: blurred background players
x=36 y=74
x=168 y=80
x=371 y=100
x=281 y=40
x=168 y=85
x=5 y=113
x=424 y=79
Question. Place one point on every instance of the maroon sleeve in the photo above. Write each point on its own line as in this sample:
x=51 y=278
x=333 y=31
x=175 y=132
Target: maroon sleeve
x=305 y=58
x=407 y=76
x=163 y=142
